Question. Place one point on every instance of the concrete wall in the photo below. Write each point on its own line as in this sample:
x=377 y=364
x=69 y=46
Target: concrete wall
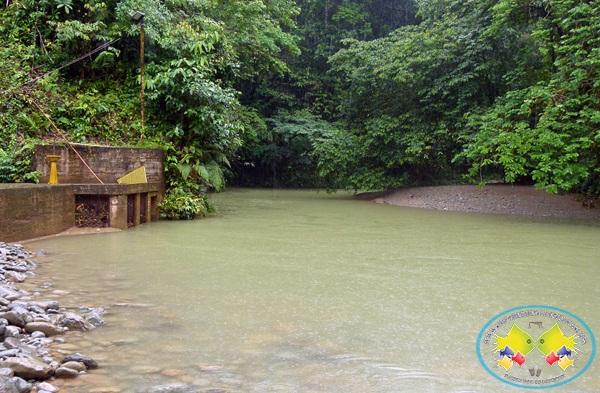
x=109 y=163
x=31 y=210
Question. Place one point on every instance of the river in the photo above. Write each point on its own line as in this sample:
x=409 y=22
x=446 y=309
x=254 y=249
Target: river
x=299 y=291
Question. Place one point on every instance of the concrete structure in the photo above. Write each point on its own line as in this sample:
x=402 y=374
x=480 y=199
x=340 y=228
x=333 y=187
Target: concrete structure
x=128 y=204
x=109 y=163
x=30 y=210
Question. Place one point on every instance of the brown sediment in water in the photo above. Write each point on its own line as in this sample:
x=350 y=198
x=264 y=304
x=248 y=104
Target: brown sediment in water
x=492 y=199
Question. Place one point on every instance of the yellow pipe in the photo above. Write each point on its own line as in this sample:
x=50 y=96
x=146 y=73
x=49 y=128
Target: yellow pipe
x=53 y=178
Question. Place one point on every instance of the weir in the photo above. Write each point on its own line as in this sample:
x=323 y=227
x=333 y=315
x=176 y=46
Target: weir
x=79 y=200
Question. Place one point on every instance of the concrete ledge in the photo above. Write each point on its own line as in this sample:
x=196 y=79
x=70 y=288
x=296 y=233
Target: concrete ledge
x=115 y=189
x=34 y=210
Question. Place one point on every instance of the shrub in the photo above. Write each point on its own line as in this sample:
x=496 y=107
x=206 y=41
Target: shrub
x=180 y=204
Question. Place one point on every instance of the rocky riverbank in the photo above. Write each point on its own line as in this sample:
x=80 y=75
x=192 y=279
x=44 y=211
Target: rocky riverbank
x=29 y=325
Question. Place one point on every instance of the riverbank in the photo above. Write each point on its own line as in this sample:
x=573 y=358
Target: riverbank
x=31 y=325
x=492 y=199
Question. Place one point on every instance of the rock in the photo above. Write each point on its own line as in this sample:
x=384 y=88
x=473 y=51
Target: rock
x=21 y=385
x=6 y=372
x=77 y=357
x=64 y=372
x=75 y=365
x=38 y=334
x=11 y=331
x=15 y=276
x=94 y=317
x=18 y=316
x=47 y=305
x=9 y=353
x=47 y=387
x=12 y=342
x=28 y=368
x=7 y=386
x=9 y=293
x=47 y=328
x=74 y=322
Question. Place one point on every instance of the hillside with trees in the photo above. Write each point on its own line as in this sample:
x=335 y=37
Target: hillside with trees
x=352 y=94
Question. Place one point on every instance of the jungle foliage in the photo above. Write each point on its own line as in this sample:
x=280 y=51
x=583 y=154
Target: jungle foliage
x=356 y=94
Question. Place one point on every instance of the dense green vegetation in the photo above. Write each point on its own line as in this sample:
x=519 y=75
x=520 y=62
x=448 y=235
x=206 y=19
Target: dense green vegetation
x=357 y=94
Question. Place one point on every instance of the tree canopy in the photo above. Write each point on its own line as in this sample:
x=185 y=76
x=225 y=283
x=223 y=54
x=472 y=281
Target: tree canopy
x=356 y=94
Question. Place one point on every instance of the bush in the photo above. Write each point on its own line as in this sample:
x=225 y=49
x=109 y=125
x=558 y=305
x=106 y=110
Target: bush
x=180 y=204
x=15 y=164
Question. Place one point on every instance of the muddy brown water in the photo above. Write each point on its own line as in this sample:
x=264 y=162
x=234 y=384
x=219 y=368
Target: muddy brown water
x=298 y=291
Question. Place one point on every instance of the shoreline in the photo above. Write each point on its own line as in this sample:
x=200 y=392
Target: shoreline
x=30 y=325
x=492 y=199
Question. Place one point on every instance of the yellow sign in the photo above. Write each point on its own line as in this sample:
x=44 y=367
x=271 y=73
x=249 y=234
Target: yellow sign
x=136 y=176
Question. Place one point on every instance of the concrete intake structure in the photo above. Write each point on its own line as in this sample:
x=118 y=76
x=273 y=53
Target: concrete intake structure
x=33 y=210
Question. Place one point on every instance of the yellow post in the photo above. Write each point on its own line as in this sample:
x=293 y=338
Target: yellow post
x=53 y=178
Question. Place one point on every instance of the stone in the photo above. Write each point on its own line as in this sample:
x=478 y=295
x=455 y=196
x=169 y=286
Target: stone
x=21 y=385
x=38 y=334
x=9 y=353
x=94 y=317
x=74 y=322
x=6 y=372
x=47 y=328
x=18 y=316
x=11 y=331
x=15 y=276
x=65 y=372
x=75 y=365
x=9 y=293
x=47 y=387
x=28 y=368
x=11 y=343
x=6 y=386
x=77 y=357
x=47 y=304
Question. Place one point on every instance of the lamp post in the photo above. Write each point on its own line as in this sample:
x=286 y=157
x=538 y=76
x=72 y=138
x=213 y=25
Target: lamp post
x=138 y=17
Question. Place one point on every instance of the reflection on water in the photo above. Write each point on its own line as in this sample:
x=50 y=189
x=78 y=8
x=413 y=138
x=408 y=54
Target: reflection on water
x=289 y=291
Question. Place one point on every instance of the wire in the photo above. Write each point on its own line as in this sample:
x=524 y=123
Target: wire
x=70 y=63
x=77 y=60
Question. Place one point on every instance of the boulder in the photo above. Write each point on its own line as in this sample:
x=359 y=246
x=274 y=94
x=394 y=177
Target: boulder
x=45 y=327
x=18 y=316
x=77 y=357
x=65 y=372
x=74 y=322
x=28 y=368
x=78 y=366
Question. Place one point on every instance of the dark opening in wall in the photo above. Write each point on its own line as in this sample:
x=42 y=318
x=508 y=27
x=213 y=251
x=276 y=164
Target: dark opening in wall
x=130 y=210
x=144 y=207
x=154 y=208
x=91 y=211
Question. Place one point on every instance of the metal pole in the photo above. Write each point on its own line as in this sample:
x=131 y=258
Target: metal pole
x=142 y=40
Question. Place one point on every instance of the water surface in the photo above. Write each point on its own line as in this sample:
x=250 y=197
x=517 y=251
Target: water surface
x=298 y=291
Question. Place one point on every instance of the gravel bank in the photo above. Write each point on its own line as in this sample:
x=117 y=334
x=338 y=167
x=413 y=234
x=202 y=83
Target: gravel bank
x=29 y=325
x=493 y=199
